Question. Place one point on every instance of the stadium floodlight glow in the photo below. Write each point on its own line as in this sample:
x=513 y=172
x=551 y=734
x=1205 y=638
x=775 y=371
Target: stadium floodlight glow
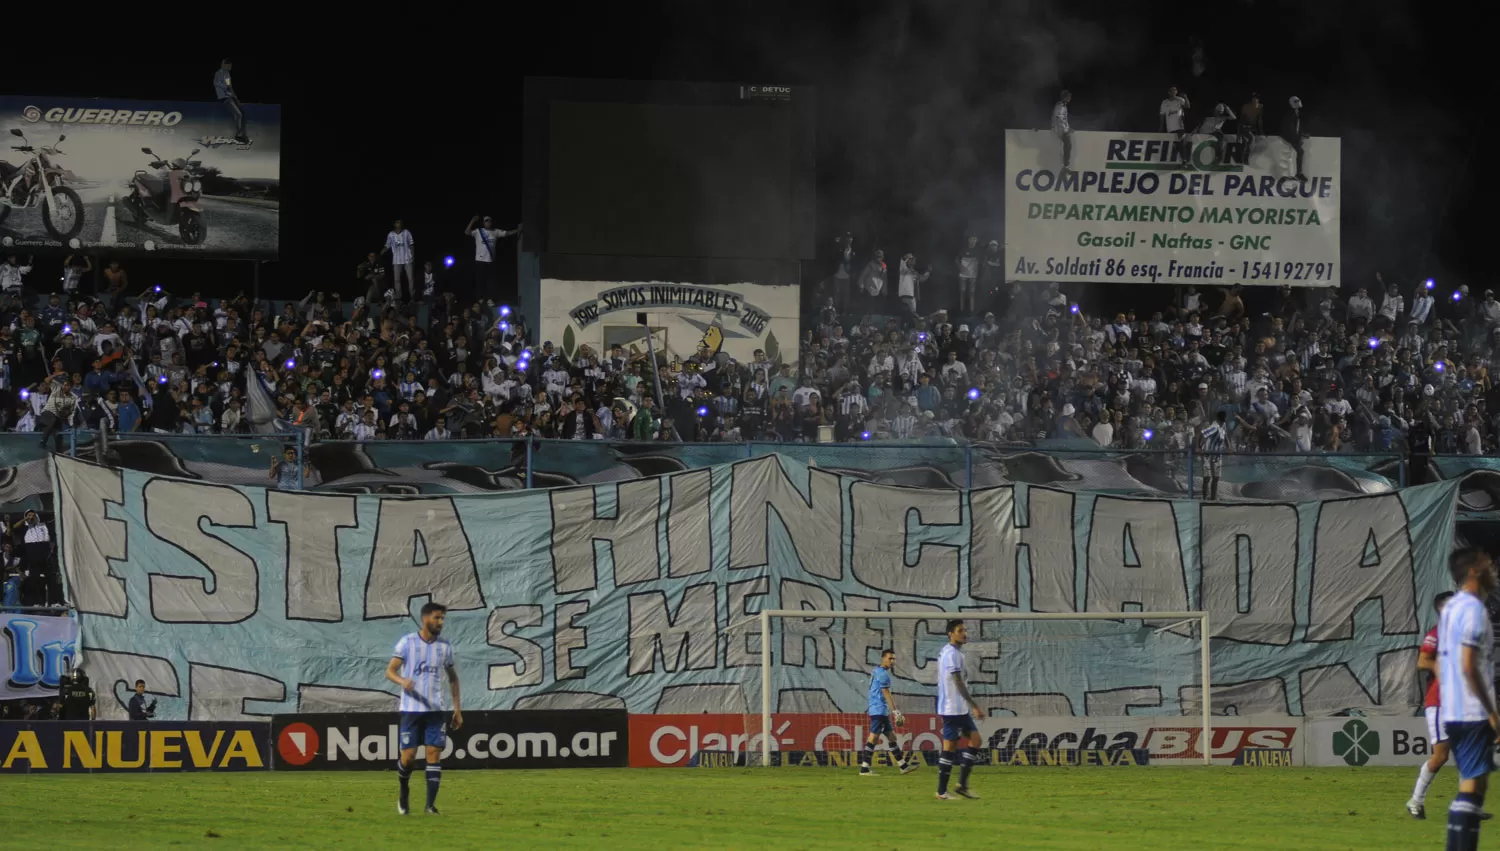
x=973 y=393
x=1374 y=342
x=448 y=261
x=1130 y=630
x=504 y=310
x=1430 y=283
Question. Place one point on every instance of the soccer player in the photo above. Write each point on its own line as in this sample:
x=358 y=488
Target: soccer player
x=882 y=710
x=415 y=665
x=1427 y=661
x=1466 y=691
x=959 y=711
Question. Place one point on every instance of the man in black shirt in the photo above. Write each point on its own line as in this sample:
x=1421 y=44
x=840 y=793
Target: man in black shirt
x=1419 y=449
x=138 y=708
x=77 y=697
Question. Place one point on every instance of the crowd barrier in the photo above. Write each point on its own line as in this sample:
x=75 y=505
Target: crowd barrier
x=470 y=466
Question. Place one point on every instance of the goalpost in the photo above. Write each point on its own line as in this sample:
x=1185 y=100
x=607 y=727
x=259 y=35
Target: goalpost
x=1122 y=671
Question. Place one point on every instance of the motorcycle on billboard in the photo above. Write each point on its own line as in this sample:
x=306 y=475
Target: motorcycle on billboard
x=39 y=183
x=172 y=196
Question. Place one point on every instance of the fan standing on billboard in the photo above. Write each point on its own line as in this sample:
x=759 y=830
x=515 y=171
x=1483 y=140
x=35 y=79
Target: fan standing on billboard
x=224 y=91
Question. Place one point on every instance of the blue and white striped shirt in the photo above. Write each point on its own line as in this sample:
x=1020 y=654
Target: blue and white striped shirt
x=1213 y=439
x=423 y=662
x=1464 y=623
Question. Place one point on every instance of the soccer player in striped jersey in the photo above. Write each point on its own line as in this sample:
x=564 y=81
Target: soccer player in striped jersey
x=1466 y=691
x=958 y=709
x=1437 y=742
x=882 y=710
x=1211 y=441
x=415 y=666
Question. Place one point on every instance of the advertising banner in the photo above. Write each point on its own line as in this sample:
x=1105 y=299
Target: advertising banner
x=578 y=738
x=1368 y=740
x=731 y=319
x=138 y=177
x=1144 y=208
x=123 y=746
x=660 y=741
x=36 y=649
x=636 y=595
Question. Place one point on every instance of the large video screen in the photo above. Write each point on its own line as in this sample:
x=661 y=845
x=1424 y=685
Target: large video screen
x=673 y=180
x=74 y=175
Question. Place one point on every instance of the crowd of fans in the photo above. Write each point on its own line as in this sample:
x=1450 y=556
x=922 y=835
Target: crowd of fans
x=1385 y=369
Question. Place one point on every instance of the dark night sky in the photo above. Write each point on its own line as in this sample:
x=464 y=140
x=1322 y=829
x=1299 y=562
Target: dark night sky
x=913 y=97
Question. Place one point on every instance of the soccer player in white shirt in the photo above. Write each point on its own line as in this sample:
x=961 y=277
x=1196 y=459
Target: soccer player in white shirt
x=418 y=659
x=399 y=243
x=958 y=709
x=1466 y=684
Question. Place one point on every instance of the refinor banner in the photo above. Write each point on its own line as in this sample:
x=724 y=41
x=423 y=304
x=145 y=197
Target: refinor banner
x=1145 y=208
x=73 y=176
x=36 y=649
x=236 y=602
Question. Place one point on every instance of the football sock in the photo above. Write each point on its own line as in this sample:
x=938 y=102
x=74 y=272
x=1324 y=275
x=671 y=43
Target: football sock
x=1463 y=822
x=403 y=776
x=969 y=758
x=434 y=777
x=1424 y=779
x=945 y=768
x=867 y=754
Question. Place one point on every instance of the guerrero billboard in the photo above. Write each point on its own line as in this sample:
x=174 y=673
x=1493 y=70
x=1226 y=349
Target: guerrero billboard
x=243 y=602
x=579 y=738
x=1144 y=208
x=732 y=319
x=86 y=746
x=138 y=177
x=35 y=650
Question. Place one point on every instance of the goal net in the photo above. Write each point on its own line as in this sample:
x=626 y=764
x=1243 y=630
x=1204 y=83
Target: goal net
x=1057 y=688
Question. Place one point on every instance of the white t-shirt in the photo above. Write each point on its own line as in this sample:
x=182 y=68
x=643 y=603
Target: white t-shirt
x=949 y=700
x=1464 y=623
x=1171 y=112
x=1104 y=434
x=486 y=253
x=400 y=245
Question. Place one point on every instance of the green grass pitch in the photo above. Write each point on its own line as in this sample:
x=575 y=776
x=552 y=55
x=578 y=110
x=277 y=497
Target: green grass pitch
x=784 y=809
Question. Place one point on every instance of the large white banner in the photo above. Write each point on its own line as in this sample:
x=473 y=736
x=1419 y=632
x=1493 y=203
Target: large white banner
x=236 y=602
x=1145 y=208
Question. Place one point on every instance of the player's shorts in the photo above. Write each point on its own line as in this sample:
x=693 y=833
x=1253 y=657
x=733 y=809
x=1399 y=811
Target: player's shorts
x=880 y=725
x=423 y=728
x=955 y=727
x=1434 y=729
x=1472 y=744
